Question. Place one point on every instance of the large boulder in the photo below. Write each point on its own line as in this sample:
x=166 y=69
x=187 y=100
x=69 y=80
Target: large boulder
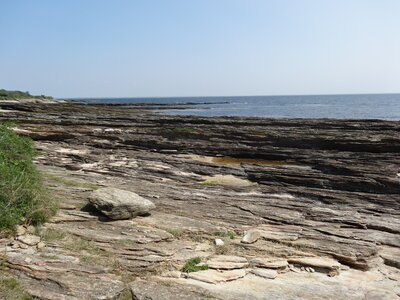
x=119 y=204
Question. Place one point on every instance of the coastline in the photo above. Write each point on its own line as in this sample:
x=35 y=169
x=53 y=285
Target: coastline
x=341 y=203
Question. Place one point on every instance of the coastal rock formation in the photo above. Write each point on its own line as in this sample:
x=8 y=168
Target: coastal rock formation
x=119 y=204
x=322 y=193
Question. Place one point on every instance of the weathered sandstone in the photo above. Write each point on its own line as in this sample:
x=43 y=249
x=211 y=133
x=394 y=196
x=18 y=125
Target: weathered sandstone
x=317 y=190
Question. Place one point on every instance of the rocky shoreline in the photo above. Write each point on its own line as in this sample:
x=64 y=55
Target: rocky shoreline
x=321 y=195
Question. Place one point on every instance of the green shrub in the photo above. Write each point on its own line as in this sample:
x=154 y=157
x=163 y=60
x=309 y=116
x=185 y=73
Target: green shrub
x=15 y=95
x=192 y=265
x=22 y=196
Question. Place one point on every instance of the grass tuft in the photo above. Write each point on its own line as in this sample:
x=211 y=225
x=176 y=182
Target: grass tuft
x=192 y=265
x=23 y=200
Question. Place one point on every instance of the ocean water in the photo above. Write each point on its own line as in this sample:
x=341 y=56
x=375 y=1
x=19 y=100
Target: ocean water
x=365 y=106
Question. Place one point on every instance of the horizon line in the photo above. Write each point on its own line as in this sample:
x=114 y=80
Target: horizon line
x=278 y=95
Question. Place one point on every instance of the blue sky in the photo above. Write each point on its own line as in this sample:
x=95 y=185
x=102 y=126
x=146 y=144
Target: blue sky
x=103 y=48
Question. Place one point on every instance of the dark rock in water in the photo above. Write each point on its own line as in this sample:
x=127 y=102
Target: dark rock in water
x=119 y=204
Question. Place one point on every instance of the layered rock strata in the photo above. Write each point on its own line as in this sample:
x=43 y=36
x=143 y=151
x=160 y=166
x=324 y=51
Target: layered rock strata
x=321 y=194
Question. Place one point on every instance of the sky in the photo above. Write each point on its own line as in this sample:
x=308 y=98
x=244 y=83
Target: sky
x=167 y=48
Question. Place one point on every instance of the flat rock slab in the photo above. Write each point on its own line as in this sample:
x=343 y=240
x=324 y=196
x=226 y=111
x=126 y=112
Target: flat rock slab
x=119 y=204
x=105 y=233
x=351 y=285
x=63 y=277
x=213 y=276
x=269 y=274
x=167 y=290
x=75 y=286
x=226 y=262
x=263 y=263
x=280 y=232
x=316 y=262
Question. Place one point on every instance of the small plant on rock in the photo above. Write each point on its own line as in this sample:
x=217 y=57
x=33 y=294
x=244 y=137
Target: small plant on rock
x=193 y=265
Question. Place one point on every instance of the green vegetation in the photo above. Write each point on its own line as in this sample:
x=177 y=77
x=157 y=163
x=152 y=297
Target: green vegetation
x=15 y=95
x=192 y=265
x=23 y=198
x=11 y=289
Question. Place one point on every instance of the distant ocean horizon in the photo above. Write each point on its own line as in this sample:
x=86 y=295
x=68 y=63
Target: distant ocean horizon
x=352 y=106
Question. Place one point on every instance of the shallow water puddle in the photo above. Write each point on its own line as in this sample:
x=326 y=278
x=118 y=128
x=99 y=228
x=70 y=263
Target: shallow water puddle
x=237 y=161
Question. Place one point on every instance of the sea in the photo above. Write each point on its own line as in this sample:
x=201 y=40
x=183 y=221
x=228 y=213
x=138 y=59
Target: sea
x=360 y=106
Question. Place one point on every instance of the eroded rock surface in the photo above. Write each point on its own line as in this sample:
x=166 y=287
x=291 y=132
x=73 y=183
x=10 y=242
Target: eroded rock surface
x=322 y=194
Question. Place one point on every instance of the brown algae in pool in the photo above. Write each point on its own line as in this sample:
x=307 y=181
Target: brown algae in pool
x=237 y=161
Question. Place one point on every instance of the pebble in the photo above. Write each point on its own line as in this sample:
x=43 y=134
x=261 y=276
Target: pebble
x=219 y=242
x=309 y=269
x=41 y=245
x=251 y=236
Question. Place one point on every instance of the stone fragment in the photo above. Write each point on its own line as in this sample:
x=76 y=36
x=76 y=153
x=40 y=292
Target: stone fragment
x=226 y=262
x=219 y=242
x=316 y=262
x=294 y=269
x=262 y=263
x=119 y=204
x=29 y=239
x=23 y=246
x=309 y=269
x=213 y=276
x=41 y=245
x=270 y=274
x=333 y=273
x=251 y=236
